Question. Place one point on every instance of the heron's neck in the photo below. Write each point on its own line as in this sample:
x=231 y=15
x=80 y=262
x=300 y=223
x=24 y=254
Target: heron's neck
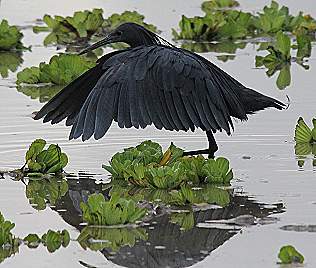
x=144 y=38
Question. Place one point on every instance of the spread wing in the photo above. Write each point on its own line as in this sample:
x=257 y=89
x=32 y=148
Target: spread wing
x=171 y=88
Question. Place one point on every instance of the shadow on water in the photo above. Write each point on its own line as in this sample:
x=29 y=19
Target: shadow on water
x=167 y=239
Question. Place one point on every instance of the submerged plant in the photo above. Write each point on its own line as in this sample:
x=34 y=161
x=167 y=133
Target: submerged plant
x=288 y=254
x=60 y=70
x=98 y=239
x=39 y=161
x=45 y=191
x=98 y=211
x=10 y=37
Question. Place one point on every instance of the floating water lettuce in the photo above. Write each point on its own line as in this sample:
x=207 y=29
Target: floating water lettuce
x=6 y=237
x=85 y=25
x=116 y=211
x=10 y=37
x=275 y=18
x=45 y=191
x=217 y=171
x=166 y=177
x=305 y=139
x=127 y=16
x=210 y=6
x=9 y=61
x=303 y=133
x=60 y=70
x=122 y=165
x=39 y=161
x=219 y=25
x=98 y=239
x=9 y=244
x=288 y=254
x=145 y=165
x=65 y=30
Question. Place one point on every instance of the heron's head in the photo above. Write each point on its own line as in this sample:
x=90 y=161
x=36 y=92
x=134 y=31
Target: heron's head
x=129 y=33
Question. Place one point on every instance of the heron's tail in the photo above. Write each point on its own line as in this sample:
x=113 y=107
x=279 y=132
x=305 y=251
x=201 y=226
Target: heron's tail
x=254 y=101
x=68 y=102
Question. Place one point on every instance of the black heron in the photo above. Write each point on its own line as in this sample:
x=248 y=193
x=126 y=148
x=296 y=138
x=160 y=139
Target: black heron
x=152 y=82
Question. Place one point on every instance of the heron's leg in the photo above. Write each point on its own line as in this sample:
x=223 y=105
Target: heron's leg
x=212 y=147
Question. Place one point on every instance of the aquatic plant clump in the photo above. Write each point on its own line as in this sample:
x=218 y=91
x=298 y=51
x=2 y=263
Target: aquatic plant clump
x=39 y=161
x=116 y=19
x=6 y=237
x=221 y=23
x=288 y=255
x=116 y=211
x=61 y=70
x=145 y=165
x=65 y=30
x=10 y=37
x=85 y=25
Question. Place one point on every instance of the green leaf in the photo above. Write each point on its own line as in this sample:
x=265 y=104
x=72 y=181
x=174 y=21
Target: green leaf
x=284 y=78
x=29 y=76
x=283 y=44
x=303 y=133
x=35 y=149
x=288 y=254
x=10 y=36
x=61 y=70
x=32 y=240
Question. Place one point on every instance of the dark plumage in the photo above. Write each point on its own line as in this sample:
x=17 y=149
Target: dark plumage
x=152 y=82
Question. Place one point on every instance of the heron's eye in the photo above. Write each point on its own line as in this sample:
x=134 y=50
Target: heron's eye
x=118 y=33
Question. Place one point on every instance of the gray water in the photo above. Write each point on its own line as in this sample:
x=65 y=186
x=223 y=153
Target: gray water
x=261 y=151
